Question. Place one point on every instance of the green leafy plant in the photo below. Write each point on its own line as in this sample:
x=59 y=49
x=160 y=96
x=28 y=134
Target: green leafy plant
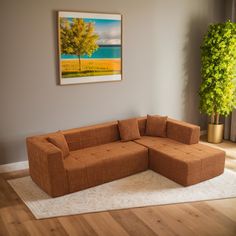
x=218 y=57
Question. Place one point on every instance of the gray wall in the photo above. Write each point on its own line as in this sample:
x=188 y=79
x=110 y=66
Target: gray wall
x=161 y=61
x=230 y=10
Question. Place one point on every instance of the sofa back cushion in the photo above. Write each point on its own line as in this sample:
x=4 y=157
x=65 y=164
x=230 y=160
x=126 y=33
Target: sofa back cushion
x=156 y=126
x=129 y=129
x=94 y=135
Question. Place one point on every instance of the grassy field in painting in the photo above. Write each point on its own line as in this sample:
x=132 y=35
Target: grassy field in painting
x=90 y=67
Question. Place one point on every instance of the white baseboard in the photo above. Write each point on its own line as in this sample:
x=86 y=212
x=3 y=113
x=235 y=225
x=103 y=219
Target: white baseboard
x=14 y=166
x=203 y=132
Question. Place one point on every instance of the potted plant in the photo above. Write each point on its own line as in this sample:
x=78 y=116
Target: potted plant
x=218 y=63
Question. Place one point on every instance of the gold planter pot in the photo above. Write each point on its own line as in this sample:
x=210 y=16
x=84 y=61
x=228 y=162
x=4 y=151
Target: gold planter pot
x=215 y=133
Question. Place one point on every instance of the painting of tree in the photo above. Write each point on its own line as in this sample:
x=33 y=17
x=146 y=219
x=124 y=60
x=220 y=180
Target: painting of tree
x=89 y=47
x=77 y=38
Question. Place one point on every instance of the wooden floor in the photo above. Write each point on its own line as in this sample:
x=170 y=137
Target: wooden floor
x=200 y=218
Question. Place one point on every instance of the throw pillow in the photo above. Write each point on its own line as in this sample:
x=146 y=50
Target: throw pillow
x=128 y=129
x=156 y=126
x=58 y=139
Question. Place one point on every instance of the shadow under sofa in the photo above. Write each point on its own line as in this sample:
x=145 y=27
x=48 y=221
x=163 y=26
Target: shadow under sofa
x=97 y=155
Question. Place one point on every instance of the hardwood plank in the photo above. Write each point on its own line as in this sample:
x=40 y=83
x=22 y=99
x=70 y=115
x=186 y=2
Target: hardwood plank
x=76 y=225
x=131 y=223
x=219 y=217
x=45 y=227
x=3 y=229
x=12 y=223
x=173 y=221
x=32 y=228
x=191 y=221
x=104 y=224
x=213 y=227
x=154 y=221
x=7 y=197
x=227 y=207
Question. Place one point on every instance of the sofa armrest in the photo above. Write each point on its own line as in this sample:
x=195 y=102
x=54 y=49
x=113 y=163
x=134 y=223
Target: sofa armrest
x=46 y=166
x=183 y=132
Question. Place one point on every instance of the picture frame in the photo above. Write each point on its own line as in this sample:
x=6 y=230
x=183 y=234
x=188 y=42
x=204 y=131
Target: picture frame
x=89 y=47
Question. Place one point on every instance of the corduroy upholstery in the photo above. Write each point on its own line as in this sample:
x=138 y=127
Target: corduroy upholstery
x=182 y=131
x=46 y=166
x=92 y=135
x=150 y=141
x=58 y=139
x=128 y=129
x=182 y=163
x=97 y=155
x=156 y=126
x=97 y=165
x=142 y=125
x=188 y=165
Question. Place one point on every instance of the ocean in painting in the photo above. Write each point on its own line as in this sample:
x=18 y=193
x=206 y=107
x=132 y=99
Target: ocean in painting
x=108 y=52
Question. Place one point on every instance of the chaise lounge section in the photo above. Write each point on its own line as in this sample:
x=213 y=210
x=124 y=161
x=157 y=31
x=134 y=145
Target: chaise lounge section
x=182 y=163
x=97 y=154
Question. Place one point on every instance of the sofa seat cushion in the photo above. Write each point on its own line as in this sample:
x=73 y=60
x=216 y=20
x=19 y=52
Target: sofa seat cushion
x=187 y=164
x=183 y=163
x=96 y=165
x=150 y=141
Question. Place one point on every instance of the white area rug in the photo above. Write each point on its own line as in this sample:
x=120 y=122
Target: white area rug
x=143 y=189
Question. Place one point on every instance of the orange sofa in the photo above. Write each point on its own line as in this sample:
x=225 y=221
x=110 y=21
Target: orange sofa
x=97 y=155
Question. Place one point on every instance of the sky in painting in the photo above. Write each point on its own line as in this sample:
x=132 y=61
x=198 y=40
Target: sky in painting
x=109 y=31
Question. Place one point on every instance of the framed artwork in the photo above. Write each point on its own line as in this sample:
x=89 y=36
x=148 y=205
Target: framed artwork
x=90 y=47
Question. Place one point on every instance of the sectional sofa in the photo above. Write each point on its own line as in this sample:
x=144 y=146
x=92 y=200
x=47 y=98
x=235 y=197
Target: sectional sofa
x=97 y=154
